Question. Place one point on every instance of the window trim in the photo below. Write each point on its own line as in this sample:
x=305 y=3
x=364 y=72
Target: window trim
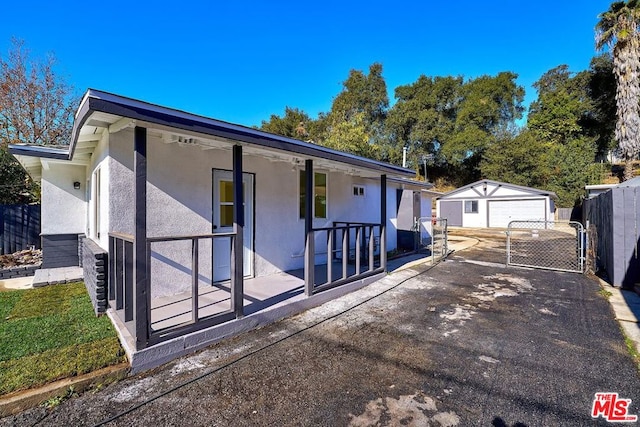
x=359 y=191
x=96 y=179
x=301 y=180
x=471 y=210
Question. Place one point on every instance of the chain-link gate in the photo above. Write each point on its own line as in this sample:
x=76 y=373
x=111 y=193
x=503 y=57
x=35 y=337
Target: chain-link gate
x=546 y=244
x=432 y=235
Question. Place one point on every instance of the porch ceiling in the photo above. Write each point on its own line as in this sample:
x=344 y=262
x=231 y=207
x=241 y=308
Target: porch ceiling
x=98 y=123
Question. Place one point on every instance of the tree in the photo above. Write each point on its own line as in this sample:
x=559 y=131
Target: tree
x=515 y=157
x=570 y=168
x=16 y=187
x=294 y=124
x=423 y=118
x=489 y=105
x=454 y=120
x=562 y=102
x=618 y=29
x=563 y=123
x=358 y=114
x=601 y=121
x=36 y=107
x=351 y=136
x=363 y=94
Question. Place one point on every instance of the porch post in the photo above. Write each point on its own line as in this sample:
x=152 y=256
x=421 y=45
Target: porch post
x=237 y=242
x=140 y=238
x=383 y=222
x=309 y=247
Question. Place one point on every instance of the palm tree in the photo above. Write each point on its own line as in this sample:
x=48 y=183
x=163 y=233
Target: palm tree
x=618 y=29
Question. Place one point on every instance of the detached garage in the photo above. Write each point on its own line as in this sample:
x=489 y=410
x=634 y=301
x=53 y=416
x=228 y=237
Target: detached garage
x=489 y=203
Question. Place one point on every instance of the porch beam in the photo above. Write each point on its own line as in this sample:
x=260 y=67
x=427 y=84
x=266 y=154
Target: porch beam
x=383 y=222
x=140 y=238
x=309 y=246
x=237 y=242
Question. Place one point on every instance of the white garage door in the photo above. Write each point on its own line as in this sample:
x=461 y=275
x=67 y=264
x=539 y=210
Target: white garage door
x=501 y=212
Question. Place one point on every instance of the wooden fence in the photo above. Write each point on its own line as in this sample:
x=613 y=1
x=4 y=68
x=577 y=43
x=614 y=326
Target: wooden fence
x=19 y=228
x=615 y=219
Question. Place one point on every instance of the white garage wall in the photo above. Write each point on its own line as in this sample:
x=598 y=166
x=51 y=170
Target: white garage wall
x=475 y=219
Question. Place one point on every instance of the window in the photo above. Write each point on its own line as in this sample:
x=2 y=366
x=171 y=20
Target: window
x=358 y=190
x=319 y=194
x=471 y=206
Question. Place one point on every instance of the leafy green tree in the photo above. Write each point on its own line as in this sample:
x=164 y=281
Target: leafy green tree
x=423 y=118
x=351 y=136
x=363 y=94
x=515 y=157
x=618 y=29
x=36 y=107
x=564 y=120
x=562 y=102
x=295 y=124
x=357 y=113
x=570 y=167
x=454 y=120
x=489 y=105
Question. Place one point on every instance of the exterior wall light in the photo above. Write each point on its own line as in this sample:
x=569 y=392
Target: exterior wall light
x=76 y=185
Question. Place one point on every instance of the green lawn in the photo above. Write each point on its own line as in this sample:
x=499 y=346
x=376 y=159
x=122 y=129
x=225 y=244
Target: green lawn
x=51 y=333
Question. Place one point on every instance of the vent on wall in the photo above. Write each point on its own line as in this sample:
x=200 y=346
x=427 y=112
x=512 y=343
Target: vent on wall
x=183 y=140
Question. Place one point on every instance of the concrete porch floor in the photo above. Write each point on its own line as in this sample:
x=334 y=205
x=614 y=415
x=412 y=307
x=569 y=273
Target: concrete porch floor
x=259 y=293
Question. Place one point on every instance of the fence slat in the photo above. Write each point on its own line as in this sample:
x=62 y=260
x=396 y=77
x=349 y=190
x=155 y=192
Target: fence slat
x=19 y=228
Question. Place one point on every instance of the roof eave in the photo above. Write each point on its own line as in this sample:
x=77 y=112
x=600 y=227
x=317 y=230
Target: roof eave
x=97 y=101
x=39 y=151
x=423 y=185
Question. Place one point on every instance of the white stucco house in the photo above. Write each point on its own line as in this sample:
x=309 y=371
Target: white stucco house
x=488 y=203
x=144 y=198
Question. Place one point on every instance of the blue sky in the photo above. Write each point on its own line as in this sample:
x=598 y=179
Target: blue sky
x=242 y=61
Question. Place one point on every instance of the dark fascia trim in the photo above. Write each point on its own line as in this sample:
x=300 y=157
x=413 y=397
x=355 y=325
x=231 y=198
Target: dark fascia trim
x=39 y=151
x=422 y=185
x=98 y=101
x=530 y=190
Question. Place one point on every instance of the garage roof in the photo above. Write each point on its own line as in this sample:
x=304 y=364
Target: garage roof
x=496 y=184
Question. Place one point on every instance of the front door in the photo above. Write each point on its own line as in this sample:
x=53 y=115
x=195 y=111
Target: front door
x=223 y=223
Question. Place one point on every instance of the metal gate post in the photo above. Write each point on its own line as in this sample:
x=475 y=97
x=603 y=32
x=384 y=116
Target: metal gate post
x=508 y=243
x=582 y=247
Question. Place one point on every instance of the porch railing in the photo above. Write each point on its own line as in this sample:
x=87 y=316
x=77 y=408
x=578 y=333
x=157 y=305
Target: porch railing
x=353 y=252
x=122 y=294
x=352 y=248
